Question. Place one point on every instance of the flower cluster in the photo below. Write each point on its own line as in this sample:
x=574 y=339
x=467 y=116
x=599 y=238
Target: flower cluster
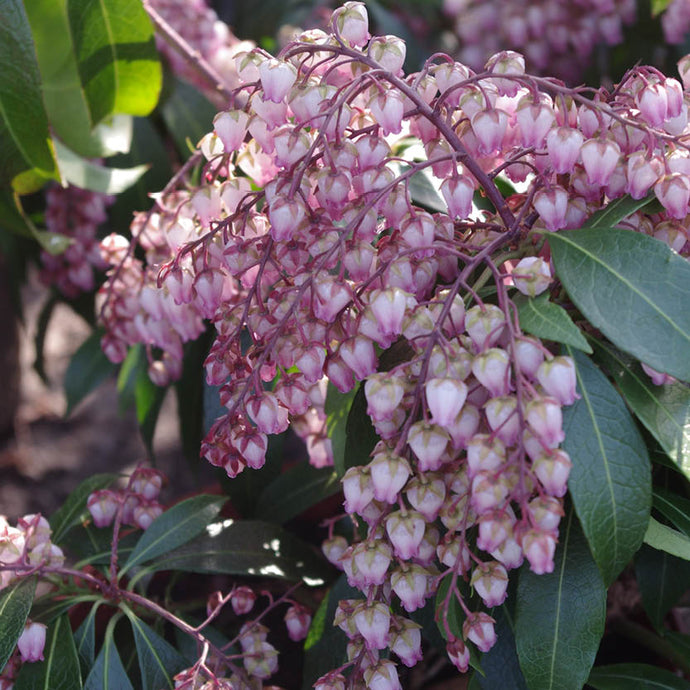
x=330 y=272
x=558 y=37
x=76 y=214
x=259 y=657
x=26 y=546
x=137 y=502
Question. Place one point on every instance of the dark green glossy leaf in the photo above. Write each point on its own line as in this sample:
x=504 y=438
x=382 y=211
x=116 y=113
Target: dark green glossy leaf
x=60 y=668
x=87 y=175
x=424 y=193
x=549 y=321
x=360 y=436
x=85 y=637
x=108 y=673
x=635 y=677
x=296 y=490
x=188 y=115
x=661 y=579
x=93 y=545
x=610 y=481
x=175 y=527
x=500 y=664
x=674 y=508
x=664 y=410
x=338 y=406
x=667 y=539
x=633 y=288
x=71 y=511
x=326 y=645
x=15 y=604
x=616 y=211
x=116 y=56
x=248 y=547
x=158 y=659
x=87 y=369
x=64 y=99
x=24 y=136
x=560 y=616
x=136 y=388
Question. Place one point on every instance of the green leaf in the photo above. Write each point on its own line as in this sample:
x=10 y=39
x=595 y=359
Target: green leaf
x=610 y=481
x=116 y=56
x=85 y=637
x=60 y=668
x=326 y=645
x=15 y=604
x=158 y=659
x=633 y=288
x=662 y=579
x=93 y=545
x=136 y=388
x=337 y=409
x=664 y=410
x=248 y=547
x=71 y=511
x=360 y=436
x=175 y=527
x=549 y=321
x=659 y=6
x=500 y=664
x=424 y=193
x=87 y=369
x=296 y=490
x=635 y=677
x=679 y=641
x=616 y=211
x=64 y=99
x=188 y=114
x=666 y=539
x=560 y=616
x=24 y=135
x=97 y=178
x=674 y=508
x=108 y=673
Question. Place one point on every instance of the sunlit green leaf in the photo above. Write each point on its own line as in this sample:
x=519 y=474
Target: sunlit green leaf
x=633 y=288
x=667 y=539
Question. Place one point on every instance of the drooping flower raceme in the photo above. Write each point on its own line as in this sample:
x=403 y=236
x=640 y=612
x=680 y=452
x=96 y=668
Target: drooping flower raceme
x=320 y=270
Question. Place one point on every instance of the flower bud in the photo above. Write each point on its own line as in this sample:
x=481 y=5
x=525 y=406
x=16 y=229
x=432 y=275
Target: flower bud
x=563 y=145
x=373 y=623
x=262 y=662
x=479 y=628
x=458 y=192
x=277 y=78
x=429 y=443
x=371 y=560
x=552 y=471
x=358 y=489
x=331 y=681
x=103 y=505
x=231 y=128
x=389 y=473
x=405 y=530
x=528 y=355
x=489 y=126
x=673 y=191
x=552 y=206
x=242 y=600
x=539 y=548
x=410 y=583
x=384 y=394
x=406 y=641
x=389 y=52
x=147 y=482
x=297 y=621
x=334 y=548
x=445 y=398
x=490 y=581
x=458 y=653
x=545 y=419
x=600 y=158
x=145 y=513
x=267 y=413
x=32 y=641
x=501 y=414
x=352 y=22
x=484 y=326
x=558 y=378
x=531 y=276
x=382 y=676
x=492 y=370
x=426 y=495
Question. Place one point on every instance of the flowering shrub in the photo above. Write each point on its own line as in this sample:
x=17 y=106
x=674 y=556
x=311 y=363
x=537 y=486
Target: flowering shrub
x=428 y=277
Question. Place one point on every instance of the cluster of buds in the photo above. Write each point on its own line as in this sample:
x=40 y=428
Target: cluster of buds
x=138 y=502
x=259 y=657
x=199 y=26
x=549 y=32
x=25 y=547
x=76 y=214
x=306 y=249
